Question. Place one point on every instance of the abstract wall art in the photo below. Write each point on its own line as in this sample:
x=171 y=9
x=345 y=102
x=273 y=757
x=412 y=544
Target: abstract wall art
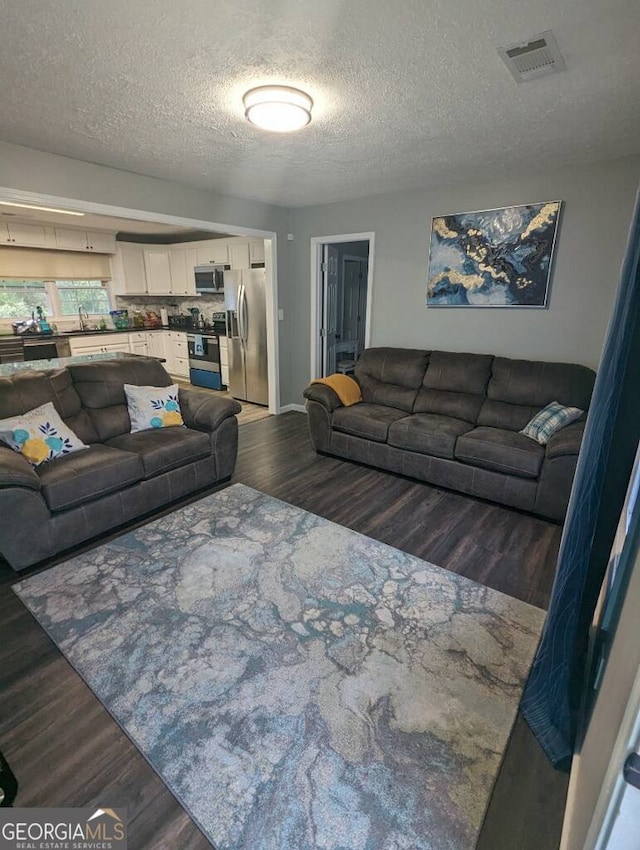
x=493 y=258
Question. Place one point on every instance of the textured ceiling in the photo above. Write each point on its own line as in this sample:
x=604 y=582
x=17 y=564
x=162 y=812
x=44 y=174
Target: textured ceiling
x=407 y=92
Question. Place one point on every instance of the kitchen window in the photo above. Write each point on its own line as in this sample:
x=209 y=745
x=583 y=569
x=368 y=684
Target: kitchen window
x=90 y=295
x=58 y=298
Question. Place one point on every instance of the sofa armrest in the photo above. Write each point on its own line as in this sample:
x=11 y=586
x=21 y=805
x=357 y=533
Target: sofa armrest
x=15 y=471
x=566 y=441
x=205 y=412
x=324 y=395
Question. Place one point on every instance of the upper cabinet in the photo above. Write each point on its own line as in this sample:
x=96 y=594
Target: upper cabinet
x=101 y=243
x=239 y=255
x=169 y=269
x=212 y=251
x=134 y=277
x=27 y=235
x=67 y=239
x=256 y=252
x=181 y=264
x=156 y=263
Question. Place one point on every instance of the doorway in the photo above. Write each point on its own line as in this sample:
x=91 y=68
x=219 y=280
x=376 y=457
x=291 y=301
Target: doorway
x=269 y=260
x=341 y=278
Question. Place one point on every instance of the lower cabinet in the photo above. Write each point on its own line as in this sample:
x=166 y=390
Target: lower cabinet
x=138 y=343
x=224 y=360
x=99 y=344
x=177 y=354
x=156 y=344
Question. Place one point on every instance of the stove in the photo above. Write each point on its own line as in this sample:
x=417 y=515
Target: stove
x=219 y=323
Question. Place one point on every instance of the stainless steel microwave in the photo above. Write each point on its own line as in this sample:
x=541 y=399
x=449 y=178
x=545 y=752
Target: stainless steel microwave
x=210 y=278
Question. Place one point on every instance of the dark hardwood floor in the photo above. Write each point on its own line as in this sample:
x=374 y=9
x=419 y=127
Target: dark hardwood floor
x=66 y=750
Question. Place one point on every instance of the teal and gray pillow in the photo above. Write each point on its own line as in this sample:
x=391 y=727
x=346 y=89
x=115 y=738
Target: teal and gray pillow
x=550 y=419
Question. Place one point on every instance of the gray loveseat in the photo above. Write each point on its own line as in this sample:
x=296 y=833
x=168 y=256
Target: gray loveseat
x=121 y=476
x=453 y=419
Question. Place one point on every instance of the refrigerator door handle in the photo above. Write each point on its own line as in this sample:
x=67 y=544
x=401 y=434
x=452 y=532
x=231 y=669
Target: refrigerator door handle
x=240 y=315
x=245 y=314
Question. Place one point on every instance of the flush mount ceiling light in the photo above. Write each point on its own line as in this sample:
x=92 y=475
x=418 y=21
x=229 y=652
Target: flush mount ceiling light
x=41 y=209
x=280 y=109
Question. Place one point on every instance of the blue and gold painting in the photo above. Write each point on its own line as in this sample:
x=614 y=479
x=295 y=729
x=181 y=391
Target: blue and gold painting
x=493 y=258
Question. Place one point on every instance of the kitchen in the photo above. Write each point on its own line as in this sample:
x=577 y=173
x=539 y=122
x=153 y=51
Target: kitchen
x=192 y=298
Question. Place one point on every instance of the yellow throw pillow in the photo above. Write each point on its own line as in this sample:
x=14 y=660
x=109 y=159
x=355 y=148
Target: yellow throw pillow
x=39 y=435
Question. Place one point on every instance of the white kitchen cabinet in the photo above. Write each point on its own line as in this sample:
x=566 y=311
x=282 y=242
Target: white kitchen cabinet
x=177 y=353
x=101 y=243
x=67 y=239
x=138 y=343
x=183 y=280
x=256 y=251
x=181 y=367
x=224 y=360
x=212 y=251
x=191 y=255
x=133 y=270
x=99 y=343
x=239 y=255
x=155 y=344
x=156 y=263
x=70 y=240
x=29 y=235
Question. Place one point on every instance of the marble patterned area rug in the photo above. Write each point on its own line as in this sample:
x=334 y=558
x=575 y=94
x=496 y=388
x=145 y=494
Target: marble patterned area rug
x=295 y=684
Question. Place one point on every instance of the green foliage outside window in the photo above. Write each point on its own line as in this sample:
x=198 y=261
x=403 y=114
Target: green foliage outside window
x=88 y=294
x=19 y=298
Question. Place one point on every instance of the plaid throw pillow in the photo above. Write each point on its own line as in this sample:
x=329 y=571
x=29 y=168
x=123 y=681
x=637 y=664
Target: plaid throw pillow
x=550 y=419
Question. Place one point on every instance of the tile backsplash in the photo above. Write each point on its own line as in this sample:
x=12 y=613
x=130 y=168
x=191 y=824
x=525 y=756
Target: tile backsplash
x=207 y=304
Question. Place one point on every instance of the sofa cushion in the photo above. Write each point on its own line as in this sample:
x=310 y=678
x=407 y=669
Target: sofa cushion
x=370 y=421
x=163 y=449
x=428 y=433
x=501 y=451
x=100 y=386
x=26 y=390
x=87 y=475
x=391 y=376
x=454 y=385
x=518 y=389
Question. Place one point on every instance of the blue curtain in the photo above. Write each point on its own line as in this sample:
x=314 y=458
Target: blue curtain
x=552 y=697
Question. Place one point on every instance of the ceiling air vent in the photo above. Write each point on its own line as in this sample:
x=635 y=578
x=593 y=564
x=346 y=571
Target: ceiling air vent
x=529 y=60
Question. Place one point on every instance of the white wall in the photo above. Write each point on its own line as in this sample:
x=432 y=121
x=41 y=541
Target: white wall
x=34 y=171
x=598 y=201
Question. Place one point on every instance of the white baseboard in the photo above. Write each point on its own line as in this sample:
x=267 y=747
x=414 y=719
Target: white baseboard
x=300 y=408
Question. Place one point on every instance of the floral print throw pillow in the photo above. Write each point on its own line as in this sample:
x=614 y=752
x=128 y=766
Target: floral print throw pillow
x=39 y=435
x=153 y=407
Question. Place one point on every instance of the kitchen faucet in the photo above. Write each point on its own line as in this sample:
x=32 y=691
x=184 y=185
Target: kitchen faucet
x=84 y=318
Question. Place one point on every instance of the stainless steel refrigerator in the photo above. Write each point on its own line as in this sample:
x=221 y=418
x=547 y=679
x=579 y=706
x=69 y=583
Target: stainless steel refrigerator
x=246 y=313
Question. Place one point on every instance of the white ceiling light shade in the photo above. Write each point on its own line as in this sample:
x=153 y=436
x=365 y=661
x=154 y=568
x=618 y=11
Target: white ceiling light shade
x=279 y=109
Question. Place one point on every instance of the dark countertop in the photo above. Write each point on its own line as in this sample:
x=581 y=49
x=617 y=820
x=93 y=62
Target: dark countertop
x=107 y=332
x=9 y=369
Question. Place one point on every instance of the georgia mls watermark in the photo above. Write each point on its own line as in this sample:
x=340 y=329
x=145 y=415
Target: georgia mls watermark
x=63 y=829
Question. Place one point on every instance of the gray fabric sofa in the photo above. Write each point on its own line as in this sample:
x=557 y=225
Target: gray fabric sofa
x=452 y=420
x=121 y=476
